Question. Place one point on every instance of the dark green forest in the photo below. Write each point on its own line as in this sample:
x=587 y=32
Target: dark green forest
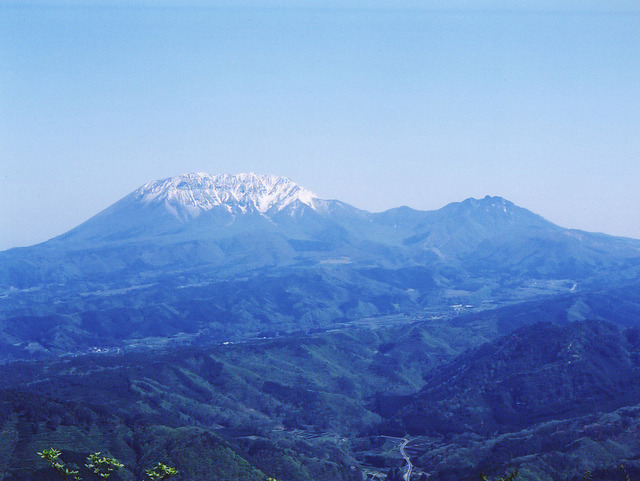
x=554 y=401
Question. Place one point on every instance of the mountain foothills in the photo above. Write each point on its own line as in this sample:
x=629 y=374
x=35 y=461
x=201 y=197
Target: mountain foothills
x=554 y=402
x=239 y=327
x=200 y=258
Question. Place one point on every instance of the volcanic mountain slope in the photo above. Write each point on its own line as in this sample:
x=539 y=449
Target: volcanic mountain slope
x=174 y=205
x=211 y=257
x=252 y=221
x=193 y=221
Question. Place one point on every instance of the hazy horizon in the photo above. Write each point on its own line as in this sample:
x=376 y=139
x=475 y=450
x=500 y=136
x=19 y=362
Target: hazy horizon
x=376 y=107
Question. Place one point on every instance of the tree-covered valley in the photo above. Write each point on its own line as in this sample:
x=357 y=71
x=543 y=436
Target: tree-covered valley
x=553 y=401
x=270 y=333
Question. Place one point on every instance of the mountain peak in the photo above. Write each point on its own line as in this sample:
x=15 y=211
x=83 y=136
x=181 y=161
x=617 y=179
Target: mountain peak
x=188 y=195
x=488 y=201
x=491 y=204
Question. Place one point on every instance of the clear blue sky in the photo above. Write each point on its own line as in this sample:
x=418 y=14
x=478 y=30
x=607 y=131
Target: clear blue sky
x=381 y=104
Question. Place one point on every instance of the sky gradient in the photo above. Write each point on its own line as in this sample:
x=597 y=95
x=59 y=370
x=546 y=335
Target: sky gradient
x=379 y=105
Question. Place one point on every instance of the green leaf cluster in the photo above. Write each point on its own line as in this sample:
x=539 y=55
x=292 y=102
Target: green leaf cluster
x=101 y=466
x=52 y=456
x=160 y=471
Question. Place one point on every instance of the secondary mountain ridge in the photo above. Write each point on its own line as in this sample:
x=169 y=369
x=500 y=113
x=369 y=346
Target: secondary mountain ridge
x=215 y=206
x=215 y=257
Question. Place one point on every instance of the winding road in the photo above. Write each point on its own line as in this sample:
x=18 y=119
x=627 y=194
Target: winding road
x=407 y=474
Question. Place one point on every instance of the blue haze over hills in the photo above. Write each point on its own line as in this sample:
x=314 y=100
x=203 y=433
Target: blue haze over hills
x=216 y=257
x=240 y=327
x=244 y=321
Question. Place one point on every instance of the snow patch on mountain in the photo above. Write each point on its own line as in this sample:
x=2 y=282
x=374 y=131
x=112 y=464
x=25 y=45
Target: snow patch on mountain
x=187 y=196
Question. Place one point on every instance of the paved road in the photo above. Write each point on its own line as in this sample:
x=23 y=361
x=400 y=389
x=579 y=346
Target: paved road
x=407 y=474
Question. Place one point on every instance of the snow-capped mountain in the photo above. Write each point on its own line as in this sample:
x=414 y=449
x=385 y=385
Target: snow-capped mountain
x=200 y=206
x=232 y=253
x=187 y=196
x=249 y=214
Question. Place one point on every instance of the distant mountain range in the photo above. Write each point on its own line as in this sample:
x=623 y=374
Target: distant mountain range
x=205 y=257
x=242 y=320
